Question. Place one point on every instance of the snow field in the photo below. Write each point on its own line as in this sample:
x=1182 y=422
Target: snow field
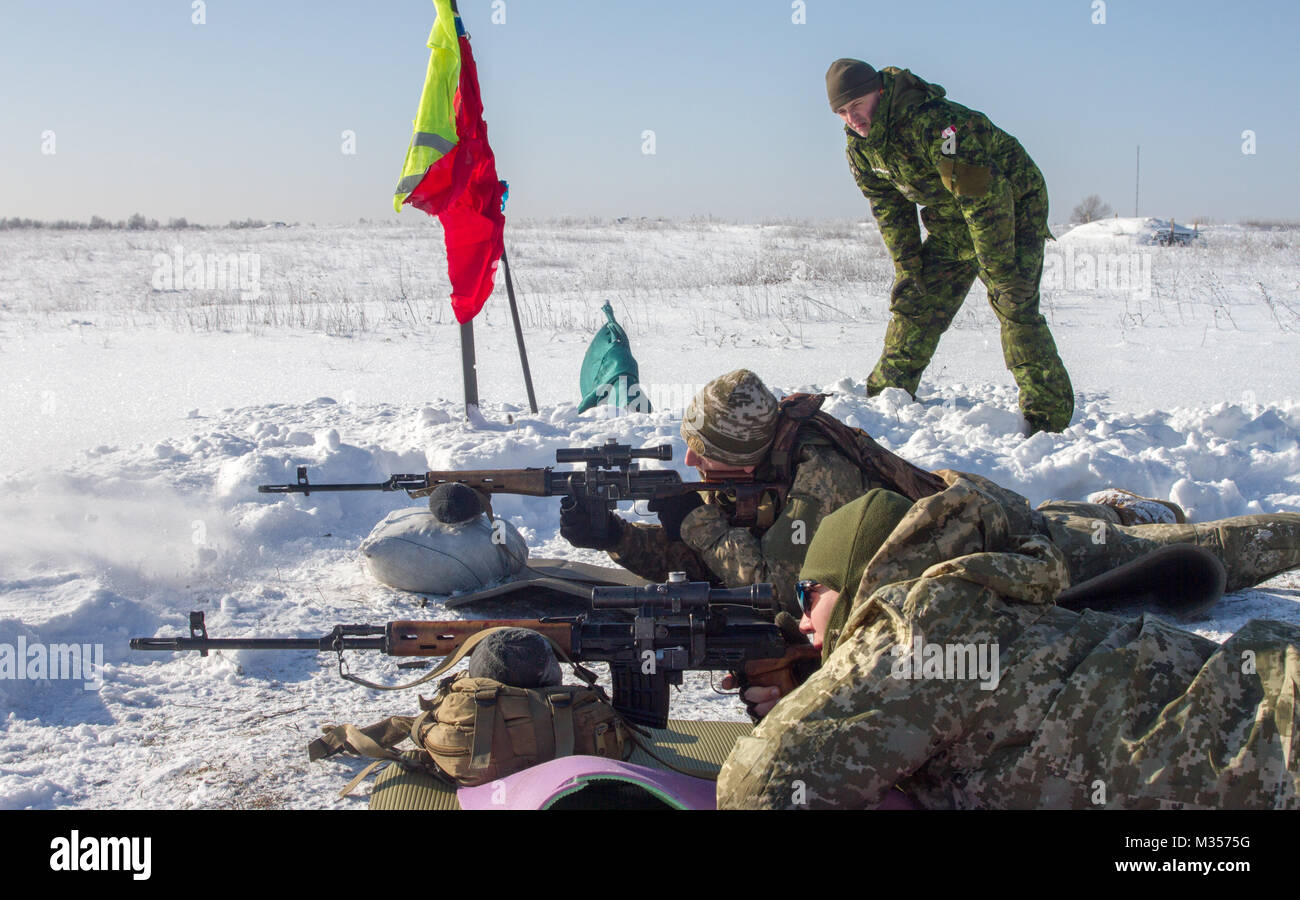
x=138 y=424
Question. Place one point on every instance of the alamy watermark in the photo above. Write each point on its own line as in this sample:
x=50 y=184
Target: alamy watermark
x=179 y=271
x=947 y=662
x=622 y=396
x=1083 y=270
x=23 y=661
x=103 y=854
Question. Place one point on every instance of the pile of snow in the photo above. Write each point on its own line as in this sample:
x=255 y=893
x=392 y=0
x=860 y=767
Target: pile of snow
x=1133 y=231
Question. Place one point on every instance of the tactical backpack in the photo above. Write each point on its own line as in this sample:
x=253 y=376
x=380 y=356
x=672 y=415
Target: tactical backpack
x=878 y=464
x=476 y=730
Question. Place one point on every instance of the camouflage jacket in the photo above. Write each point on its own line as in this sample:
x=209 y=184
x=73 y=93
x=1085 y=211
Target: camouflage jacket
x=711 y=549
x=1071 y=710
x=923 y=149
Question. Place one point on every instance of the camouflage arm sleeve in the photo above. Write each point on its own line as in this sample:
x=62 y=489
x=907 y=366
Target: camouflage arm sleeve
x=645 y=550
x=985 y=197
x=895 y=214
x=733 y=554
x=845 y=737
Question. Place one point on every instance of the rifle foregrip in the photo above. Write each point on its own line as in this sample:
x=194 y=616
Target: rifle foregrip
x=443 y=638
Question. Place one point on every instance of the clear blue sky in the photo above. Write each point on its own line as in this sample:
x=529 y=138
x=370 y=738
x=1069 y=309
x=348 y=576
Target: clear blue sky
x=243 y=116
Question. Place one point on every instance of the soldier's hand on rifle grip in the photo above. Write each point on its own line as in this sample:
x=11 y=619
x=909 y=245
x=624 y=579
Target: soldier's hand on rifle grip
x=765 y=681
x=589 y=524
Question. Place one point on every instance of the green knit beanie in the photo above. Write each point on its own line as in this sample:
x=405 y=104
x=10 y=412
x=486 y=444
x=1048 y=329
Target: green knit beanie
x=849 y=79
x=843 y=545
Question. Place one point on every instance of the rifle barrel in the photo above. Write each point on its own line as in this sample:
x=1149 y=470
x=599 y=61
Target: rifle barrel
x=321 y=644
x=311 y=489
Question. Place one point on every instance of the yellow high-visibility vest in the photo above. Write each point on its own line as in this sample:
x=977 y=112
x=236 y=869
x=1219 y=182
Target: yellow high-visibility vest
x=435 y=122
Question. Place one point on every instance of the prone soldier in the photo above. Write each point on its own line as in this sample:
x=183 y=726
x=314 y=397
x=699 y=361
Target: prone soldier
x=1043 y=706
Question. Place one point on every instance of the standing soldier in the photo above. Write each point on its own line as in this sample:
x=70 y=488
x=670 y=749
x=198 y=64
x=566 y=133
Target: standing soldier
x=984 y=205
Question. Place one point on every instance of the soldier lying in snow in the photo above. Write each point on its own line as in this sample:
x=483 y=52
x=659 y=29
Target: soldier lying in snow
x=1062 y=709
x=735 y=430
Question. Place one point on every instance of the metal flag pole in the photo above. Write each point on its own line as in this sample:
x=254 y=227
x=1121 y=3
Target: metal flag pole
x=469 y=371
x=519 y=333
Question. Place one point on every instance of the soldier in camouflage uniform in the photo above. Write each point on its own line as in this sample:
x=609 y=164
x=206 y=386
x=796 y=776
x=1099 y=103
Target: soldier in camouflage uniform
x=728 y=428
x=1076 y=709
x=985 y=213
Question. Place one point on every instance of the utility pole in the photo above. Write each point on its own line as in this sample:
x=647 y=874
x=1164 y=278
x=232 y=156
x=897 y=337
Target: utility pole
x=1137 y=183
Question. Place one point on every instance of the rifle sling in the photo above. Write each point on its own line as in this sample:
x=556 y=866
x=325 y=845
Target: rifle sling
x=877 y=463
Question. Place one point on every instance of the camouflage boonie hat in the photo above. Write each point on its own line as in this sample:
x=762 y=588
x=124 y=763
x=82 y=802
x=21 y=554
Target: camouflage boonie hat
x=732 y=420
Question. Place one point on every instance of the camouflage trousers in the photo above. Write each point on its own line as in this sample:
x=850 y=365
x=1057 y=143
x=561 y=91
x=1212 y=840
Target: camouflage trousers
x=923 y=309
x=1252 y=548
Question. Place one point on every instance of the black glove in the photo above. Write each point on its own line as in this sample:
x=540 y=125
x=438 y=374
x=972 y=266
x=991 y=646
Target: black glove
x=672 y=510
x=590 y=524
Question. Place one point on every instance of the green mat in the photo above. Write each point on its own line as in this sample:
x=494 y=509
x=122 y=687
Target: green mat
x=692 y=746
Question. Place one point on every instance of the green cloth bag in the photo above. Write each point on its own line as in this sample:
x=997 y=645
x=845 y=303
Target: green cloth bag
x=609 y=370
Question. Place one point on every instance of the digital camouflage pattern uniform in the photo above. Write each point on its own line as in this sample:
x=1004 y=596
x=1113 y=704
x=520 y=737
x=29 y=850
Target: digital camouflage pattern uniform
x=1251 y=548
x=1089 y=710
x=733 y=420
x=711 y=549
x=985 y=212
x=1093 y=541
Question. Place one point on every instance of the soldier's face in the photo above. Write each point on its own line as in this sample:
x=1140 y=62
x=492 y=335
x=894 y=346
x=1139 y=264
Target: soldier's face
x=711 y=470
x=818 y=617
x=859 y=113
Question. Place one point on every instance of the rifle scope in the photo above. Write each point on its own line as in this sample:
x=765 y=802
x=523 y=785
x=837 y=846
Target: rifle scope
x=678 y=595
x=611 y=454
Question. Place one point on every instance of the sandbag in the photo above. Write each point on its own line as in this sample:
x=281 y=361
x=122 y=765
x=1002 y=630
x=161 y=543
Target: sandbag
x=412 y=551
x=609 y=373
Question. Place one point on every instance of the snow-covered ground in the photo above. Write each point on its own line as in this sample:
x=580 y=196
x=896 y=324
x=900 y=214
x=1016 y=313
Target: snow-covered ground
x=140 y=413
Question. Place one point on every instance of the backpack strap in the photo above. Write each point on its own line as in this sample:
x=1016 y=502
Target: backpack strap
x=890 y=469
x=561 y=704
x=485 y=716
x=877 y=463
x=792 y=412
x=348 y=738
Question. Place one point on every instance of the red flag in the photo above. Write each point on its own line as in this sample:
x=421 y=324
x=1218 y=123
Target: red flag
x=463 y=191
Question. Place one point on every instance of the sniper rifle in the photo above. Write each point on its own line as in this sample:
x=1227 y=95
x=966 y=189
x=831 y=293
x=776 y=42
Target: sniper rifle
x=678 y=626
x=611 y=475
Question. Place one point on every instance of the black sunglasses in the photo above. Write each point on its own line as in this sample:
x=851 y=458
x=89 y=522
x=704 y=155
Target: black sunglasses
x=803 y=590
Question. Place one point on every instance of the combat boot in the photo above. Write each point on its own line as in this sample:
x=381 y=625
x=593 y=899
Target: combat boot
x=1135 y=509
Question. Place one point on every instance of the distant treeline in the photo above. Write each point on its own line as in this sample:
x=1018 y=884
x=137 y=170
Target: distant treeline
x=137 y=222
x=1271 y=224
